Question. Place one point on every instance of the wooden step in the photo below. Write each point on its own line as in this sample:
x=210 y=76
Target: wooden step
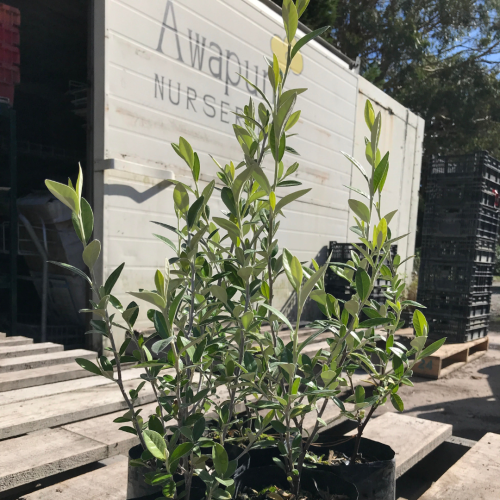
x=38 y=392
x=108 y=482
x=450 y=357
x=19 y=351
x=12 y=341
x=411 y=438
x=40 y=360
x=33 y=457
x=475 y=476
x=60 y=409
x=14 y=380
x=104 y=430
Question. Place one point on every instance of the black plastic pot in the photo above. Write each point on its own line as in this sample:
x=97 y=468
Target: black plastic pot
x=137 y=489
x=258 y=478
x=374 y=480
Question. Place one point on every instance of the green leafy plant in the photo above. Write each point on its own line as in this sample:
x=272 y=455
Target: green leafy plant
x=219 y=377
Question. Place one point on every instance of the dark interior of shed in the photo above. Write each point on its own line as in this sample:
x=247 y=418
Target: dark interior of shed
x=52 y=130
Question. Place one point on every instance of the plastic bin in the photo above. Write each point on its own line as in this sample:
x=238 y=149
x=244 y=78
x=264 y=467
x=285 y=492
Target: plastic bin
x=9 y=34
x=458 y=277
x=461 y=222
x=455 y=304
x=449 y=249
x=9 y=16
x=479 y=165
x=9 y=55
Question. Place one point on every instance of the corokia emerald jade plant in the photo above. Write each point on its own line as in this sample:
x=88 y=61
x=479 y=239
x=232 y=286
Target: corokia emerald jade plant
x=222 y=381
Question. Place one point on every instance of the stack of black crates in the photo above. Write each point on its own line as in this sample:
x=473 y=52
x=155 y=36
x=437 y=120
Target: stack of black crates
x=342 y=253
x=459 y=236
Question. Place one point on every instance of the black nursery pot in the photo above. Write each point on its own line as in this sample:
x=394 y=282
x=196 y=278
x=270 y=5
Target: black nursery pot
x=374 y=480
x=258 y=478
x=137 y=489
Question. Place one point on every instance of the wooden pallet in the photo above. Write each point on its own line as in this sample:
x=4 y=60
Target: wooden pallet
x=449 y=358
x=475 y=476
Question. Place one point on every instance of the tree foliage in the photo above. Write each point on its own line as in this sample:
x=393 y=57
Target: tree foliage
x=437 y=57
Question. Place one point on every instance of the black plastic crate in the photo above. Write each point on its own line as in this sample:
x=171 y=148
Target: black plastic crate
x=460 y=222
x=458 y=277
x=479 y=165
x=341 y=252
x=455 y=304
x=457 y=329
x=459 y=193
x=450 y=249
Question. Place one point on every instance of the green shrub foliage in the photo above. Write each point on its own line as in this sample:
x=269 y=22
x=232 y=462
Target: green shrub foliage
x=220 y=372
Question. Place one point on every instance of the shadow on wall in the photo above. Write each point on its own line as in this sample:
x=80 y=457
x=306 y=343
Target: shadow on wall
x=311 y=310
x=132 y=193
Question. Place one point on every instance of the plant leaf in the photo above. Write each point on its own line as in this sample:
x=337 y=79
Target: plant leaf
x=91 y=253
x=89 y=366
x=220 y=459
x=431 y=349
x=156 y=444
x=360 y=209
x=112 y=279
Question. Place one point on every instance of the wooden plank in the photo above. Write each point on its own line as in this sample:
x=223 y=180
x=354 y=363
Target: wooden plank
x=411 y=438
x=36 y=377
x=449 y=358
x=105 y=431
x=60 y=409
x=8 y=341
x=40 y=360
x=29 y=458
x=38 y=392
x=19 y=351
x=475 y=476
x=106 y=483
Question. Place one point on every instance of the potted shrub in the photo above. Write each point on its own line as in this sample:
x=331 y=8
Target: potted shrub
x=226 y=388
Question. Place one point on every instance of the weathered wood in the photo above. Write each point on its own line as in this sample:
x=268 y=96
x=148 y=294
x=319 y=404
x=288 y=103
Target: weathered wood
x=450 y=357
x=36 y=377
x=60 y=409
x=411 y=438
x=38 y=392
x=39 y=360
x=19 y=351
x=10 y=341
x=475 y=476
x=29 y=458
x=104 y=430
x=106 y=483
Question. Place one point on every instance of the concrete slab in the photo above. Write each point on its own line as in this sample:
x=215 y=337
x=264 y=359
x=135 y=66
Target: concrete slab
x=36 y=377
x=106 y=483
x=27 y=458
x=60 y=409
x=19 y=351
x=475 y=476
x=10 y=341
x=38 y=392
x=39 y=360
x=411 y=438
